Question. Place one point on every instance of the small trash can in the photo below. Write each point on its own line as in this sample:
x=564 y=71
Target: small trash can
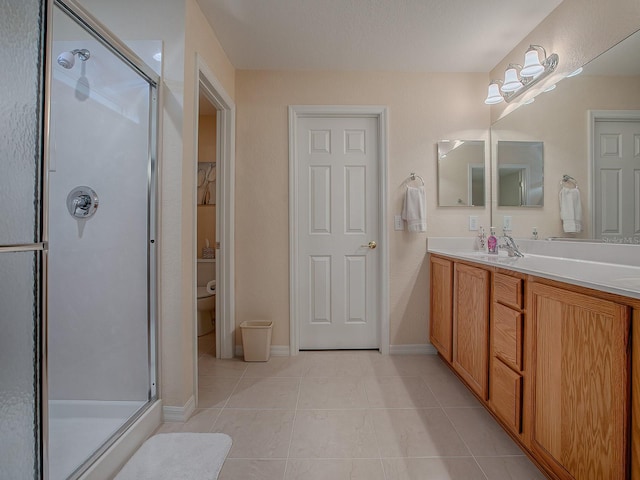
x=256 y=340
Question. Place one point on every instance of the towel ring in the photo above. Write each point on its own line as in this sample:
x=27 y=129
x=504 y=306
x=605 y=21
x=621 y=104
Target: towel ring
x=568 y=179
x=413 y=176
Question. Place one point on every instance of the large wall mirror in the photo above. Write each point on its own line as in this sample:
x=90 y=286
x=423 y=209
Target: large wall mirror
x=461 y=173
x=587 y=128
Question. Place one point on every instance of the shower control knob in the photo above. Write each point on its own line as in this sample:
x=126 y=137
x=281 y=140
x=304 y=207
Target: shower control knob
x=82 y=202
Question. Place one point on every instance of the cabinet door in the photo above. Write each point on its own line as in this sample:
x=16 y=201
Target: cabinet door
x=441 y=320
x=471 y=326
x=581 y=376
x=506 y=394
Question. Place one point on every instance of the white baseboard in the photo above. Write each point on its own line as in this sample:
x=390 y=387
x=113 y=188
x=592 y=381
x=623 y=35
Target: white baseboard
x=419 y=349
x=179 y=414
x=276 y=351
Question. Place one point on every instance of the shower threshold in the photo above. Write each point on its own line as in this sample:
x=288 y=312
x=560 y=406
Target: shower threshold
x=77 y=428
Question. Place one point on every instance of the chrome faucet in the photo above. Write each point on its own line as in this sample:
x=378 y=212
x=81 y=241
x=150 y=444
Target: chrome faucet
x=510 y=246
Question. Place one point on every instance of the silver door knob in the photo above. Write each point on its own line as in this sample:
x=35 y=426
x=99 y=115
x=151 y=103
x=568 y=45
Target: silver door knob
x=370 y=245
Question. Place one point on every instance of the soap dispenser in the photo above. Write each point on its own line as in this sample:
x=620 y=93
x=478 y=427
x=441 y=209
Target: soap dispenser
x=492 y=242
x=480 y=240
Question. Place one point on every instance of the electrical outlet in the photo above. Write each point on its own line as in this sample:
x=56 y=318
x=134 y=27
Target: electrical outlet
x=473 y=223
x=506 y=223
x=397 y=222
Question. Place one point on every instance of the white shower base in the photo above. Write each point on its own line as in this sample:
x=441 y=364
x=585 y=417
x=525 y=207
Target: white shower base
x=77 y=428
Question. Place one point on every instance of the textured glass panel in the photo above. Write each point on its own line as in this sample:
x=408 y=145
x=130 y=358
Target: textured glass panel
x=18 y=399
x=20 y=77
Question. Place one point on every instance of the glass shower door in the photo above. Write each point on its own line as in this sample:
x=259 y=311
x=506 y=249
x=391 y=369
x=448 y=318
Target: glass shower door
x=100 y=209
x=21 y=247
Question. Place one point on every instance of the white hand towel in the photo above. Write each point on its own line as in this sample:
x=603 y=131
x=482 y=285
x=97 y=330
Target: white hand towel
x=211 y=286
x=414 y=211
x=570 y=210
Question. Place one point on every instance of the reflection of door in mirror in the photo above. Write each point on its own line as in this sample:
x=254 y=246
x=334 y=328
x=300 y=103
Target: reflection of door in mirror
x=461 y=178
x=616 y=179
x=476 y=184
x=511 y=185
x=520 y=174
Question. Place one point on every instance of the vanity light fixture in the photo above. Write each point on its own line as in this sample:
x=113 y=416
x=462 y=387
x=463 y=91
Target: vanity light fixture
x=531 y=73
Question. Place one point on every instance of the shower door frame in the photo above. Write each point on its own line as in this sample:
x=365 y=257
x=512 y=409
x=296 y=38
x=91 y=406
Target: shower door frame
x=94 y=28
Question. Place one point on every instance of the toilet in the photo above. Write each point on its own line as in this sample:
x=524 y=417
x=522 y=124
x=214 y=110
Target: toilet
x=206 y=301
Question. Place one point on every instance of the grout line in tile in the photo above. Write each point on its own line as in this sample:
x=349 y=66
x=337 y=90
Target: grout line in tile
x=465 y=443
x=428 y=456
x=384 y=472
x=230 y=395
x=444 y=410
x=501 y=456
x=215 y=420
x=293 y=426
x=375 y=434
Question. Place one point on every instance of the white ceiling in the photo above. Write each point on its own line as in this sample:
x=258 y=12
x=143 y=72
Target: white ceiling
x=389 y=35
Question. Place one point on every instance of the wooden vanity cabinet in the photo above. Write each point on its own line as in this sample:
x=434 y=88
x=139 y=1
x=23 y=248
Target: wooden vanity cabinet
x=441 y=306
x=471 y=326
x=553 y=362
x=580 y=410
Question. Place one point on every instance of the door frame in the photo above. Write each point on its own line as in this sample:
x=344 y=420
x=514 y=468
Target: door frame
x=209 y=85
x=297 y=112
x=595 y=116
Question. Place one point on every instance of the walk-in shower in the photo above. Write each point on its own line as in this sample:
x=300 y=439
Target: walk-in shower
x=77 y=239
x=101 y=352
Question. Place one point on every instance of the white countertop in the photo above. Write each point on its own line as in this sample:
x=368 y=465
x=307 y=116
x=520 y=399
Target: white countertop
x=618 y=278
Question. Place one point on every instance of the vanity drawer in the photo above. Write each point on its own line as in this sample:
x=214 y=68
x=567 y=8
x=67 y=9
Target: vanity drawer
x=507 y=290
x=506 y=335
x=505 y=394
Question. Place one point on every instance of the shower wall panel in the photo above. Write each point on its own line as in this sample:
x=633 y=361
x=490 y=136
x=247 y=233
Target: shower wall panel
x=98 y=290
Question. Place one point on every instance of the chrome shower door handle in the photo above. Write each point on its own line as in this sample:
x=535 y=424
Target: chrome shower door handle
x=82 y=202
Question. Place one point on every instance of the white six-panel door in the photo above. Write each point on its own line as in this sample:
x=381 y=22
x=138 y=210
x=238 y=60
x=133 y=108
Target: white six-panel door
x=338 y=270
x=617 y=179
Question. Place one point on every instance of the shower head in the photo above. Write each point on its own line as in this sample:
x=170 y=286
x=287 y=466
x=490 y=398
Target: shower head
x=67 y=59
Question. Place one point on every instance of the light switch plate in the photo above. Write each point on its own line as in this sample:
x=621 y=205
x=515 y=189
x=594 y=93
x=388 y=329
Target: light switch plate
x=397 y=222
x=506 y=223
x=473 y=223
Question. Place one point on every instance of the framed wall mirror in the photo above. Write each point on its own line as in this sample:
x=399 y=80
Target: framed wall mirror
x=589 y=126
x=461 y=173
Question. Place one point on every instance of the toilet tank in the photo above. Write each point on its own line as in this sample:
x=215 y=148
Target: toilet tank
x=206 y=271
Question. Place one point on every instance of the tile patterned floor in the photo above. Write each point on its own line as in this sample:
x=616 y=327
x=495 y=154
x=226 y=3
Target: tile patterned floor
x=350 y=415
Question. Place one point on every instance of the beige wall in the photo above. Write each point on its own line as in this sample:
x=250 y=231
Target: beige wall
x=199 y=40
x=578 y=31
x=423 y=108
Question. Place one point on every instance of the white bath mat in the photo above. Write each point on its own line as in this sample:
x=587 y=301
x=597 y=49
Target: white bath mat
x=178 y=456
